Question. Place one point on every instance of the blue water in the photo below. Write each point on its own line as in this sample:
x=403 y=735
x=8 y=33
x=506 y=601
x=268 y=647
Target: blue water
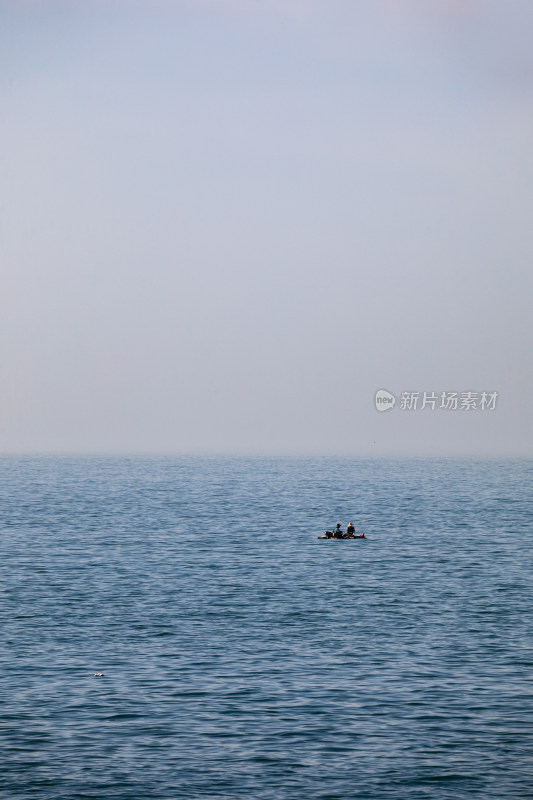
x=245 y=658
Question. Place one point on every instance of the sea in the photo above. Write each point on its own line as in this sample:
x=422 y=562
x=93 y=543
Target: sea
x=244 y=657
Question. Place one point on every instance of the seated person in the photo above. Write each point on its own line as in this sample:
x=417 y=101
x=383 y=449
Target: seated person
x=337 y=533
x=350 y=530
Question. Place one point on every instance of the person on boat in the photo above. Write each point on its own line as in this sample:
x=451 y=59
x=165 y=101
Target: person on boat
x=338 y=533
x=350 y=530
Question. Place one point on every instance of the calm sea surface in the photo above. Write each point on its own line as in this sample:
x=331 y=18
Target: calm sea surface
x=245 y=658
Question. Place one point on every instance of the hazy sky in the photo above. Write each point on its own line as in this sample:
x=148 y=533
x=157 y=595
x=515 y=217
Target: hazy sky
x=226 y=223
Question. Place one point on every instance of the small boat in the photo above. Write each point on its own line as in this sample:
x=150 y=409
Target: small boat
x=342 y=538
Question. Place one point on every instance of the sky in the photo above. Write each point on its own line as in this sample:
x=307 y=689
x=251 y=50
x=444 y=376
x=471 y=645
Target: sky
x=226 y=224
